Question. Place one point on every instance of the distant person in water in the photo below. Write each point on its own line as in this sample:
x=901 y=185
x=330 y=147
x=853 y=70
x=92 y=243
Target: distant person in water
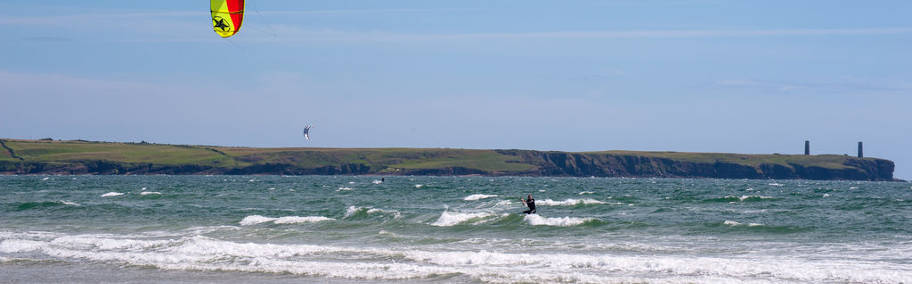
x=530 y=202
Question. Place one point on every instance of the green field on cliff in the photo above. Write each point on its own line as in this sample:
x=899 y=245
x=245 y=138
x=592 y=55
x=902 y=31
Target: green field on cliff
x=48 y=156
x=234 y=157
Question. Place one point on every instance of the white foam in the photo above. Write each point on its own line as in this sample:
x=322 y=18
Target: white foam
x=18 y=246
x=503 y=203
x=419 y=185
x=376 y=181
x=257 y=219
x=736 y=223
x=112 y=194
x=538 y=220
x=298 y=220
x=64 y=202
x=746 y=197
x=344 y=189
x=46 y=178
x=200 y=230
x=395 y=213
x=567 y=202
x=352 y=210
x=448 y=218
x=150 y=192
x=198 y=253
x=775 y=184
x=478 y=197
x=826 y=195
x=586 y=192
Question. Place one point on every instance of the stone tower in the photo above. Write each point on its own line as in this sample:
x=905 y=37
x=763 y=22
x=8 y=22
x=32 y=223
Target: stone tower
x=860 y=150
x=807 y=147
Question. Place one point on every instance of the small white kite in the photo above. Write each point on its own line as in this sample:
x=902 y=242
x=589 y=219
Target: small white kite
x=307 y=132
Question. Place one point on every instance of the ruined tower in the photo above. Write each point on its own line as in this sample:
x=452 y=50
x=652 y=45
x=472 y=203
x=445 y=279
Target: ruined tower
x=860 y=150
x=807 y=147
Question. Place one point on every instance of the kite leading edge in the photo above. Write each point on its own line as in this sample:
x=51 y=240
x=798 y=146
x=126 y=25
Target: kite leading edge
x=227 y=16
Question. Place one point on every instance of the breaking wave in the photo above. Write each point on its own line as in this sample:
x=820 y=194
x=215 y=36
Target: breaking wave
x=353 y=211
x=199 y=253
x=448 y=218
x=257 y=219
x=474 y=197
x=736 y=223
x=538 y=220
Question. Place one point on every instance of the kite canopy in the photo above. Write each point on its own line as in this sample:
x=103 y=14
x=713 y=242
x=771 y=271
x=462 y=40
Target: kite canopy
x=227 y=16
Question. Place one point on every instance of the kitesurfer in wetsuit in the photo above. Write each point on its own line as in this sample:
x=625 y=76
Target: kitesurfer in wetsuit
x=530 y=202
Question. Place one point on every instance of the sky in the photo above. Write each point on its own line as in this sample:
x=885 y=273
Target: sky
x=690 y=76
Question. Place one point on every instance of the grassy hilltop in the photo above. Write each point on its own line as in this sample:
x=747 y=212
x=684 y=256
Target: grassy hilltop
x=85 y=157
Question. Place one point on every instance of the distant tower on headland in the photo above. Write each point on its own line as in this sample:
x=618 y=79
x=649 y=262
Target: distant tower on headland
x=807 y=147
x=860 y=150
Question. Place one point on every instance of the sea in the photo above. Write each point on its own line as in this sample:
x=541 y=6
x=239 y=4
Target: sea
x=403 y=229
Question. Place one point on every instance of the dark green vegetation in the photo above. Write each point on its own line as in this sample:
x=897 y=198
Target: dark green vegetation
x=84 y=157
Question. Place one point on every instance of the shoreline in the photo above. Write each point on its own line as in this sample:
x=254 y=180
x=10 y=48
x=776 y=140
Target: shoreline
x=114 y=158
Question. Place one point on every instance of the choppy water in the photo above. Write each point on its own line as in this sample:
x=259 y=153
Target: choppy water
x=451 y=229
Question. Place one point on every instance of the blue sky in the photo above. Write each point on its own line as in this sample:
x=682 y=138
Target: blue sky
x=702 y=76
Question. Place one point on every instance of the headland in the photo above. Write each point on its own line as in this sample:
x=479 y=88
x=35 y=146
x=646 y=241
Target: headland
x=19 y=156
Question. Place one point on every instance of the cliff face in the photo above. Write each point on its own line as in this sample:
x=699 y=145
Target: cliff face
x=612 y=165
x=83 y=157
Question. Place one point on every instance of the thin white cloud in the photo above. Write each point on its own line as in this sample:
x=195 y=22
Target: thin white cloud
x=186 y=26
x=696 y=33
x=844 y=86
x=290 y=33
x=69 y=20
x=352 y=11
x=297 y=33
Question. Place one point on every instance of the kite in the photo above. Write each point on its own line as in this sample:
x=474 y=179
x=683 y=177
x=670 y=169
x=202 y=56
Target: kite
x=227 y=16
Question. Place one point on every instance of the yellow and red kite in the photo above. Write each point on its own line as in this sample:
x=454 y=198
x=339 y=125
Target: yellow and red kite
x=227 y=16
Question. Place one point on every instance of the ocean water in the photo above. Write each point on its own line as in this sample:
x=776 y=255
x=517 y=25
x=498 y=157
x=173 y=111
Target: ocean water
x=356 y=229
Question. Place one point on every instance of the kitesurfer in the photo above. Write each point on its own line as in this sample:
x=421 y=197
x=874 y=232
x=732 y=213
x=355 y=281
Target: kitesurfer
x=306 y=132
x=529 y=202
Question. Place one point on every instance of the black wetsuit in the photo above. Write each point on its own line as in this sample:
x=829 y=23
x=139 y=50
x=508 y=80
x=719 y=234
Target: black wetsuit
x=531 y=204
